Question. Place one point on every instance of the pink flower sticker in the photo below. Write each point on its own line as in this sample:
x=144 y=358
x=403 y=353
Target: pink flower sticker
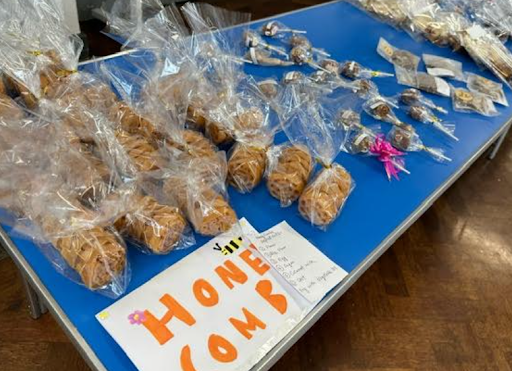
x=137 y=318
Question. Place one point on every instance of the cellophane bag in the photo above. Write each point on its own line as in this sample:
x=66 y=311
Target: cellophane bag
x=487 y=87
x=398 y=57
x=78 y=241
x=468 y=101
x=443 y=67
x=423 y=81
x=388 y=11
x=313 y=124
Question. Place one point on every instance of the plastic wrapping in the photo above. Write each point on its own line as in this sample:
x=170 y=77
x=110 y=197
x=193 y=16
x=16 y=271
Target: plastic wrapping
x=409 y=141
x=253 y=40
x=381 y=109
x=313 y=124
x=300 y=56
x=389 y=11
x=487 y=87
x=276 y=28
x=414 y=97
x=466 y=101
x=354 y=70
x=269 y=87
x=296 y=39
x=288 y=170
x=264 y=58
x=398 y=57
x=423 y=81
x=443 y=67
x=426 y=116
x=487 y=50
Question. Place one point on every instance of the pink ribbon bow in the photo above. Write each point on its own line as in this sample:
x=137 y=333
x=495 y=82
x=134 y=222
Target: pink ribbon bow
x=387 y=155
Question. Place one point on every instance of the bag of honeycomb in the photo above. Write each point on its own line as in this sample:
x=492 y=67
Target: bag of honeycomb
x=313 y=124
x=288 y=170
x=198 y=187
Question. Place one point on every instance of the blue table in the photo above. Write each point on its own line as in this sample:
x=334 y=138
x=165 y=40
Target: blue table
x=376 y=214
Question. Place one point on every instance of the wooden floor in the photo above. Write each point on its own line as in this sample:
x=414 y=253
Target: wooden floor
x=439 y=299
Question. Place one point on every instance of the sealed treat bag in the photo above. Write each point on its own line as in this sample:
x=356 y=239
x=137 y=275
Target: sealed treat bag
x=198 y=185
x=313 y=124
x=253 y=40
x=363 y=140
x=288 y=170
x=426 y=116
x=414 y=97
x=388 y=11
x=277 y=29
x=409 y=141
x=246 y=166
x=398 y=57
x=269 y=87
x=300 y=40
x=487 y=50
x=443 y=67
x=354 y=70
x=381 y=109
x=467 y=101
x=487 y=87
x=423 y=81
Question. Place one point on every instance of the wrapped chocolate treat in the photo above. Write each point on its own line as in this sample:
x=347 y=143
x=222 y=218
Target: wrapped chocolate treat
x=487 y=87
x=398 y=57
x=301 y=40
x=354 y=70
x=488 y=51
x=414 y=97
x=331 y=66
x=409 y=141
x=423 y=81
x=288 y=170
x=269 y=87
x=275 y=28
x=253 y=40
x=467 y=101
x=300 y=56
x=443 y=67
x=362 y=140
x=264 y=58
x=426 y=116
x=381 y=109
x=313 y=124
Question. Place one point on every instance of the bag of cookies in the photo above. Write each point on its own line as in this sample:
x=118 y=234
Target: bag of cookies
x=443 y=67
x=398 y=57
x=313 y=125
x=467 y=101
x=487 y=87
x=423 y=81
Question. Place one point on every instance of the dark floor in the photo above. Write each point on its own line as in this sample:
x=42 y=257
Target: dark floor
x=439 y=299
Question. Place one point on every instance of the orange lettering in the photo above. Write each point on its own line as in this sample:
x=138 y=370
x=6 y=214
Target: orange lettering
x=251 y=323
x=205 y=293
x=278 y=301
x=221 y=349
x=158 y=327
x=186 y=359
x=255 y=263
x=232 y=273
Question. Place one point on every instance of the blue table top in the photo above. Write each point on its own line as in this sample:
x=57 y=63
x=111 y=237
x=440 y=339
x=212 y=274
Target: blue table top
x=373 y=211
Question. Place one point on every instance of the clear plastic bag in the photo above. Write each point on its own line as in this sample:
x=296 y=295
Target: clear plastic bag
x=388 y=11
x=301 y=56
x=409 y=141
x=414 y=97
x=296 y=39
x=443 y=67
x=487 y=87
x=269 y=87
x=354 y=70
x=253 y=40
x=381 y=108
x=426 y=116
x=466 y=101
x=398 y=57
x=277 y=29
x=313 y=124
x=423 y=81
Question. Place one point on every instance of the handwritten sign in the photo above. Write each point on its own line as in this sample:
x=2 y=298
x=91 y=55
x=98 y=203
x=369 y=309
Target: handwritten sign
x=309 y=271
x=220 y=308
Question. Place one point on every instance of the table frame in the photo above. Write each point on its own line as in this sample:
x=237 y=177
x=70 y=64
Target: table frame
x=41 y=301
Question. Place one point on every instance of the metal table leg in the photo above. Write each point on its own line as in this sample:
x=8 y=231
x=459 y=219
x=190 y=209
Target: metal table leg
x=35 y=305
x=498 y=144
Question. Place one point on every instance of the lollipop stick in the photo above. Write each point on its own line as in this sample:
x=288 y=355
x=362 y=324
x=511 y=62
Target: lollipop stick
x=399 y=166
x=321 y=52
x=436 y=153
x=381 y=74
x=317 y=66
x=277 y=50
x=443 y=129
x=293 y=31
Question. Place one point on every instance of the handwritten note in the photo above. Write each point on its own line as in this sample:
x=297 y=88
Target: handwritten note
x=304 y=266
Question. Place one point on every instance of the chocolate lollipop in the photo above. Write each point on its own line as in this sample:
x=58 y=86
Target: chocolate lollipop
x=300 y=56
x=275 y=28
x=426 y=116
x=331 y=66
x=410 y=142
x=301 y=40
x=414 y=97
x=269 y=87
x=354 y=70
x=253 y=40
x=262 y=57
